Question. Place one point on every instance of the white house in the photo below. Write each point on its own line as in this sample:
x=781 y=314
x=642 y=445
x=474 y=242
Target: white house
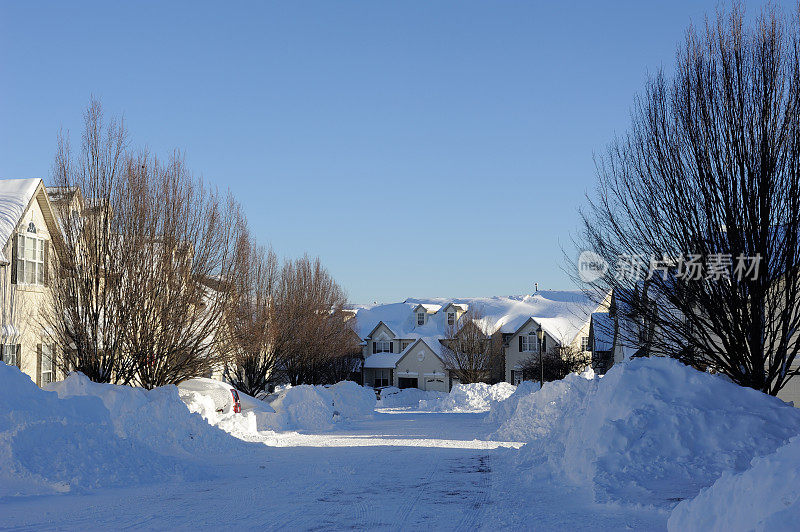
x=27 y=224
x=402 y=342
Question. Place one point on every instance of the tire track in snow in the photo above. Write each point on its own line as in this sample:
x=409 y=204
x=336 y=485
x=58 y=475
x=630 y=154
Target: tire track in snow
x=401 y=517
x=475 y=509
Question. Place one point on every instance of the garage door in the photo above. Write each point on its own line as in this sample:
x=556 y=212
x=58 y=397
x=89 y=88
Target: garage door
x=407 y=382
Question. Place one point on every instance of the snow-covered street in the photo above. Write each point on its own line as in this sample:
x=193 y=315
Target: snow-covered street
x=407 y=470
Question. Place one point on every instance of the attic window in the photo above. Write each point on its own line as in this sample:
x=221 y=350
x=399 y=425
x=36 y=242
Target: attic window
x=31 y=227
x=451 y=318
x=420 y=318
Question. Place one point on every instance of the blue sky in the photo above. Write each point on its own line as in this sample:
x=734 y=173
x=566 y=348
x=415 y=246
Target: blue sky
x=419 y=148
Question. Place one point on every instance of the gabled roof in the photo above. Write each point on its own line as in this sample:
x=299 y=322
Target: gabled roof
x=390 y=360
x=462 y=307
x=430 y=309
x=376 y=328
x=16 y=196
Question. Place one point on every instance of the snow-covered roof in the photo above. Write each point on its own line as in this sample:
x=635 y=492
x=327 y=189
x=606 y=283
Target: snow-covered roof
x=15 y=196
x=562 y=313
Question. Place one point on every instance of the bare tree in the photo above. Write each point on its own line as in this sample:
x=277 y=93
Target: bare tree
x=310 y=327
x=87 y=317
x=180 y=241
x=471 y=350
x=558 y=362
x=709 y=173
x=250 y=319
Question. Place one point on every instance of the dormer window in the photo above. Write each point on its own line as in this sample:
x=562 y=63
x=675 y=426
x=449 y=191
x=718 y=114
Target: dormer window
x=420 y=318
x=451 y=318
x=382 y=346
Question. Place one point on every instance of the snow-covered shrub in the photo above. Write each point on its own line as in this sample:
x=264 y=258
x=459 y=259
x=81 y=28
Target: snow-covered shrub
x=764 y=497
x=651 y=431
x=49 y=444
x=475 y=397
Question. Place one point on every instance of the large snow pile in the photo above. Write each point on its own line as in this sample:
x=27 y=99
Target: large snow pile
x=475 y=397
x=307 y=407
x=651 y=431
x=48 y=444
x=764 y=497
x=500 y=411
x=156 y=418
x=407 y=397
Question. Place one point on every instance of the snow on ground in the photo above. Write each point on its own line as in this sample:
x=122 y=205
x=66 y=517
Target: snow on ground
x=52 y=445
x=611 y=453
x=392 y=397
x=475 y=397
x=764 y=497
x=651 y=431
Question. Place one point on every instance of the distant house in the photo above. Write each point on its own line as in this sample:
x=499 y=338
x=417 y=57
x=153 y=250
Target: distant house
x=403 y=342
x=27 y=225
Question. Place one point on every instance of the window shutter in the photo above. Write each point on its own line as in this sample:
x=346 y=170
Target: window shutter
x=19 y=356
x=374 y=347
x=520 y=344
x=46 y=261
x=391 y=347
x=14 y=259
x=39 y=364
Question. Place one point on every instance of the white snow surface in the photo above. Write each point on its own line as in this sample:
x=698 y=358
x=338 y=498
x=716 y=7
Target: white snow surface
x=763 y=497
x=474 y=397
x=156 y=418
x=86 y=441
x=561 y=312
x=307 y=407
x=599 y=453
x=406 y=398
x=651 y=431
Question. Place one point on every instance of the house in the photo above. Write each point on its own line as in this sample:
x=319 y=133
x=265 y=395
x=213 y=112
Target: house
x=403 y=343
x=27 y=225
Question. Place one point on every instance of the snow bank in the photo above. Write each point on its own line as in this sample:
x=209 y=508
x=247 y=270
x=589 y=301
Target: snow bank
x=407 y=397
x=651 y=431
x=475 y=397
x=500 y=411
x=157 y=418
x=764 y=497
x=307 y=407
x=48 y=444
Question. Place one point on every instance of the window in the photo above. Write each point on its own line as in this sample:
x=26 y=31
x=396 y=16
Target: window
x=381 y=377
x=382 y=346
x=47 y=371
x=30 y=259
x=516 y=377
x=585 y=343
x=527 y=343
x=11 y=354
x=420 y=318
x=451 y=318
